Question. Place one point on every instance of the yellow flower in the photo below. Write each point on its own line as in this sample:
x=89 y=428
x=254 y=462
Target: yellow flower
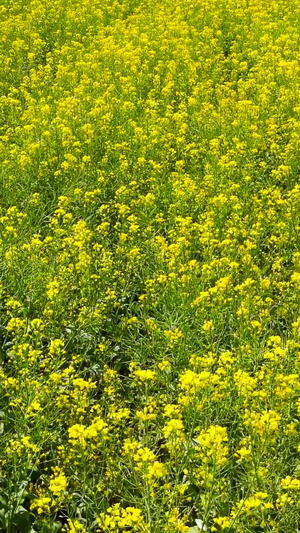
x=191 y=381
x=176 y=522
x=117 y=519
x=74 y=526
x=211 y=443
x=290 y=483
x=42 y=505
x=173 y=336
x=144 y=455
x=58 y=483
x=145 y=375
x=16 y=325
x=207 y=326
x=164 y=365
x=173 y=427
x=242 y=453
x=223 y=522
x=250 y=504
x=156 y=470
x=264 y=423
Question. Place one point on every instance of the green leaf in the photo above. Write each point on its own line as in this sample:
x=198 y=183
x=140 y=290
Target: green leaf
x=2 y=519
x=3 y=501
x=22 y=520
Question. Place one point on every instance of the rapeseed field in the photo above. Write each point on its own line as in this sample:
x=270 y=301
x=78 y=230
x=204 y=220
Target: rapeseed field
x=150 y=266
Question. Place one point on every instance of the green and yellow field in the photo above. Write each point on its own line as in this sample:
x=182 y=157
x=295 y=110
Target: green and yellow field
x=150 y=266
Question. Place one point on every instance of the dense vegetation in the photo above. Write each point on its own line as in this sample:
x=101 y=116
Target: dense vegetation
x=150 y=266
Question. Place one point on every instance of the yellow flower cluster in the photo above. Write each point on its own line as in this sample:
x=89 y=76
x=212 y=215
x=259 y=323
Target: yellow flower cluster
x=117 y=519
x=211 y=444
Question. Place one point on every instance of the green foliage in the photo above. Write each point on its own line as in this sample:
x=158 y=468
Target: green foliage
x=150 y=266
